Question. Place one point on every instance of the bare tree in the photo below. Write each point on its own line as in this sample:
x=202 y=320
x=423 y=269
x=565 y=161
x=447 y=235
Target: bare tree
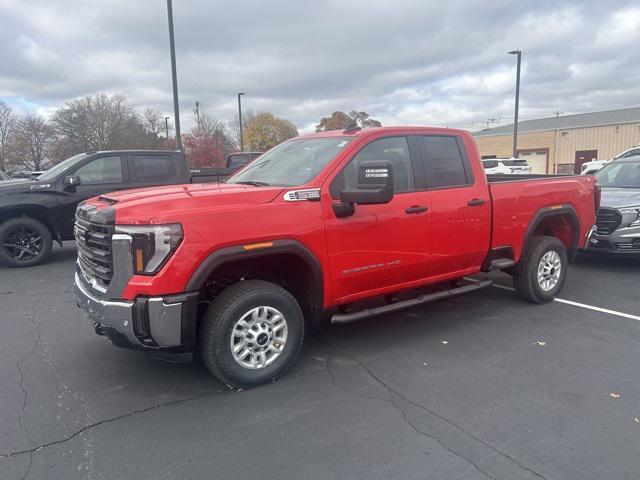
x=233 y=126
x=7 y=121
x=153 y=122
x=99 y=122
x=30 y=143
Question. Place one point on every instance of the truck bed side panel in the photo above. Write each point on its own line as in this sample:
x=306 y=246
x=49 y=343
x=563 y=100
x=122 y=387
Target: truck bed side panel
x=516 y=203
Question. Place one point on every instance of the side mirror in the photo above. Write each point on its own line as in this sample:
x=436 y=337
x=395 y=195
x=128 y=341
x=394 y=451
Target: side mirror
x=71 y=180
x=375 y=184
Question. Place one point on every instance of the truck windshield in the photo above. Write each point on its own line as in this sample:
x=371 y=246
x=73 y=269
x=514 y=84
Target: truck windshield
x=292 y=163
x=54 y=171
x=621 y=174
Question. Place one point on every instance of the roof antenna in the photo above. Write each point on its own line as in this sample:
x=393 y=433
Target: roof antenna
x=352 y=126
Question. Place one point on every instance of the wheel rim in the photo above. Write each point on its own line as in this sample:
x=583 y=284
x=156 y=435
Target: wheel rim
x=549 y=270
x=22 y=243
x=259 y=337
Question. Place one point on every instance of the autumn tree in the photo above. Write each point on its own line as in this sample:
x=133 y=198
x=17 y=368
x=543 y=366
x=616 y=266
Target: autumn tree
x=7 y=121
x=31 y=139
x=99 y=122
x=340 y=120
x=208 y=143
x=265 y=131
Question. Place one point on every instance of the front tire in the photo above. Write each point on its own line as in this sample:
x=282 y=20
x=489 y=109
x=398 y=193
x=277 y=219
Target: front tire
x=24 y=242
x=251 y=334
x=540 y=274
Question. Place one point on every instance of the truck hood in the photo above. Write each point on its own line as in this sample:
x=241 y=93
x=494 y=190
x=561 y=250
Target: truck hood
x=620 y=197
x=158 y=204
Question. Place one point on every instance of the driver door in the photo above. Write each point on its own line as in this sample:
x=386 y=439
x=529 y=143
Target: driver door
x=379 y=248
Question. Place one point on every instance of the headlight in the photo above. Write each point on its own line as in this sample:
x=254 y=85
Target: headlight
x=152 y=245
x=630 y=216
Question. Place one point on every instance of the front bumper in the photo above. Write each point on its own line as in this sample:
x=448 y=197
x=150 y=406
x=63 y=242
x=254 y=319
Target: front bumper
x=623 y=241
x=163 y=327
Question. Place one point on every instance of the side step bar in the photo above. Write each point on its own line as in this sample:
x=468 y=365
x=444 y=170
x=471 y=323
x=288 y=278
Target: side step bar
x=342 y=318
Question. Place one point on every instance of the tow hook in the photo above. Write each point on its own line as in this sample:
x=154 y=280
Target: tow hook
x=98 y=328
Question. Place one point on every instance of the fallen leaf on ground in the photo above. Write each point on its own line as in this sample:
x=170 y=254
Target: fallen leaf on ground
x=636 y=419
x=444 y=342
x=614 y=395
x=540 y=342
x=426 y=365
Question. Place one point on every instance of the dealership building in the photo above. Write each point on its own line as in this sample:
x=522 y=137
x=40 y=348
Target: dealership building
x=562 y=144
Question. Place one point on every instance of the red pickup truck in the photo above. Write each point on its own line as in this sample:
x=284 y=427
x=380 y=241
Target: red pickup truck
x=340 y=225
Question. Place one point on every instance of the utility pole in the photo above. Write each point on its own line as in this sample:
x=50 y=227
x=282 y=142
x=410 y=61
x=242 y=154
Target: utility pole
x=557 y=113
x=174 y=76
x=166 y=128
x=515 y=119
x=198 y=114
x=240 y=120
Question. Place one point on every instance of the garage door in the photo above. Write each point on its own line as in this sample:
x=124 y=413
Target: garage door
x=536 y=159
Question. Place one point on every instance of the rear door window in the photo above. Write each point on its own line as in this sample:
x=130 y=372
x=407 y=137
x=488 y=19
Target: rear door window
x=443 y=161
x=152 y=168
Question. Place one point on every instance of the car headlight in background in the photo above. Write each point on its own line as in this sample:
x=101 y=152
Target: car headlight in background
x=152 y=245
x=630 y=216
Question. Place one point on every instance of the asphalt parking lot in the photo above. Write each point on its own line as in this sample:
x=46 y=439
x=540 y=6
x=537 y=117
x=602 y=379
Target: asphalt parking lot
x=482 y=386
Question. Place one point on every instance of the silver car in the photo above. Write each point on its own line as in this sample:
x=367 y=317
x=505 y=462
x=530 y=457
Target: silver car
x=618 y=219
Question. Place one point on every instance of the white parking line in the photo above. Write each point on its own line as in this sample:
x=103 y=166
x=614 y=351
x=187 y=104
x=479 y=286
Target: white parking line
x=575 y=304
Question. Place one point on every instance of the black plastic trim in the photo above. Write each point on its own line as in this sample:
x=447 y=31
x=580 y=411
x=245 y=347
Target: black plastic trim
x=550 y=212
x=229 y=254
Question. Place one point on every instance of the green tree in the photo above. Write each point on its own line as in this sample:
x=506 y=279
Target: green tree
x=265 y=131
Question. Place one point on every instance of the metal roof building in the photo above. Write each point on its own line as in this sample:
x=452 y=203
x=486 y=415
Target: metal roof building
x=562 y=144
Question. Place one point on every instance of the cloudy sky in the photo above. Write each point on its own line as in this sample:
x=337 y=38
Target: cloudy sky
x=403 y=61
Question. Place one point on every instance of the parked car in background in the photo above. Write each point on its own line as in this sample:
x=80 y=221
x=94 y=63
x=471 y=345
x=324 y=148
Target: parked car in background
x=618 y=219
x=235 y=161
x=506 y=166
x=629 y=152
x=4 y=177
x=590 y=168
x=34 y=213
x=494 y=166
x=328 y=225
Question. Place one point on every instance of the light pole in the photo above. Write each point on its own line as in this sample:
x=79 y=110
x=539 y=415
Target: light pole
x=174 y=76
x=515 y=119
x=166 y=128
x=240 y=120
x=198 y=114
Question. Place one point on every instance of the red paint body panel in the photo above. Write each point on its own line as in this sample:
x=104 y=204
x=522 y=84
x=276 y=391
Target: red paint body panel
x=379 y=249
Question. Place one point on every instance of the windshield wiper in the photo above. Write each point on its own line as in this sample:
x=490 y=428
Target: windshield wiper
x=255 y=183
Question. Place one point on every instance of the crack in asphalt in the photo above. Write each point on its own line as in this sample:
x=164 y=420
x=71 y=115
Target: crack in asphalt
x=393 y=392
x=99 y=423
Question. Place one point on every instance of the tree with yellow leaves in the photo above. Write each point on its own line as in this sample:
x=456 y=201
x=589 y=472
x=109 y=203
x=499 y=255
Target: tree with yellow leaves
x=265 y=131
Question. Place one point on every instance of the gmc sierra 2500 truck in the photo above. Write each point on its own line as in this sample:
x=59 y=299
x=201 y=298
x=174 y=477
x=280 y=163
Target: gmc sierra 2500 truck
x=340 y=225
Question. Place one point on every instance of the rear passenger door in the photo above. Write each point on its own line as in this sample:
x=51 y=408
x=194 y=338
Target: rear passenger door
x=148 y=170
x=460 y=206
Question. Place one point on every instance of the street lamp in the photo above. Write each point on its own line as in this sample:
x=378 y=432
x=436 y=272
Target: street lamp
x=166 y=128
x=515 y=120
x=240 y=120
x=174 y=76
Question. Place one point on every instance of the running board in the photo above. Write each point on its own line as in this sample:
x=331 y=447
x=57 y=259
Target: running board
x=342 y=318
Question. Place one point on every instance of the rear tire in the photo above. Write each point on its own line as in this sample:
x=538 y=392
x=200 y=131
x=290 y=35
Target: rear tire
x=251 y=334
x=540 y=274
x=24 y=242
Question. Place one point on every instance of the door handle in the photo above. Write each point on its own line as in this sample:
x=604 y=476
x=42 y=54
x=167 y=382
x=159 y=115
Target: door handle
x=416 y=209
x=474 y=202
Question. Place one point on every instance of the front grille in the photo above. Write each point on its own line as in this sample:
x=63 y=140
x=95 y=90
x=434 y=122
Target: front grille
x=94 y=250
x=608 y=220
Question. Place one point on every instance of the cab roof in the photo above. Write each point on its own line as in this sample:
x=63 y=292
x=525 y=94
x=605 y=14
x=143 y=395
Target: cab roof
x=374 y=130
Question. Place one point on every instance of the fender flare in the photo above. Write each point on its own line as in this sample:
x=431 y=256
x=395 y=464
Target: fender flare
x=546 y=212
x=229 y=254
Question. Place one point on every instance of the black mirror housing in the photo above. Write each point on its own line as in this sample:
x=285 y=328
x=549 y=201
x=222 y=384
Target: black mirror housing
x=375 y=184
x=71 y=180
